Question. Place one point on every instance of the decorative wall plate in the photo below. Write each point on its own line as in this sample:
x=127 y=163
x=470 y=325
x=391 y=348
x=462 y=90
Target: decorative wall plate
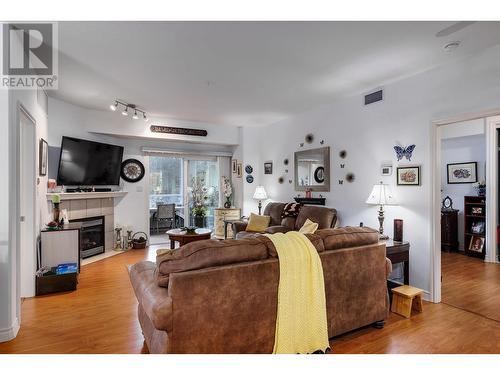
x=285 y=161
x=249 y=179
x=343 y=154
x=309 y=138
x=319 y=175
x=132 y=170
x=248 y=168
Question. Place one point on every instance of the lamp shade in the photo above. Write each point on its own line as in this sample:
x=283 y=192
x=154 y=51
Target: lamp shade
x=260 y=193
x=381 y=195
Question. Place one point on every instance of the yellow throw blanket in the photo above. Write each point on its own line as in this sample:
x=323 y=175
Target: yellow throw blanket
x=301 y=325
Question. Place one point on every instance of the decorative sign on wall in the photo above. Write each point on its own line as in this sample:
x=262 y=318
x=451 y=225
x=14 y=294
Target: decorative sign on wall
x=180 y=131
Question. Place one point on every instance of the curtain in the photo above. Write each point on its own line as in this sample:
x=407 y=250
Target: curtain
x=224 y=163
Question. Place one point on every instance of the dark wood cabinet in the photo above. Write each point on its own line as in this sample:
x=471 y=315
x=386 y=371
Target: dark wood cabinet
x=449 y=230
x=475 y=226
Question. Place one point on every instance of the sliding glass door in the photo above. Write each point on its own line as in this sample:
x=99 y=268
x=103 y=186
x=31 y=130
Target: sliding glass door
x=202 y=190
x=189 y=183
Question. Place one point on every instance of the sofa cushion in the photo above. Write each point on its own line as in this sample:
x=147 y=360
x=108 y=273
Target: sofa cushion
x=274 y=209
x=340 y=238
x=314 y=238
x=324 y=216
x=208 y=253
x=289 y=222
x=309 y=227
x=257 y=223
x=291 y=209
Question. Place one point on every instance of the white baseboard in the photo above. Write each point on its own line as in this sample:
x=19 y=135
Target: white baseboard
x=7 y=334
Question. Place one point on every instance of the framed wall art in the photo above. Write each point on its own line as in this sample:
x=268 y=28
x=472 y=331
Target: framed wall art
x=43 y=157
x=462 y=173
x=409 y=176
x=239 y=169
x=268 y=167
x=234 y=165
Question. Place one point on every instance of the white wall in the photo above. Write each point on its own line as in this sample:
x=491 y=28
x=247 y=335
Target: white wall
x=458 y=150
x=8 y=324
x=111 y=127
x=369 y=134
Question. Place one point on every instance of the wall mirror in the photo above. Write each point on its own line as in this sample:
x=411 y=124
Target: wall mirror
x=312 y=169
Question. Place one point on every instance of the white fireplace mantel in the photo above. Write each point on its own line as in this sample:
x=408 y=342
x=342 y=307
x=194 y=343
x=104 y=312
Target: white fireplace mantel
x=87 y=195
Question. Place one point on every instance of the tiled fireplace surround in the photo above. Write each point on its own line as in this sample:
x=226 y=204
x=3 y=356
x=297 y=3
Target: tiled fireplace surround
x=92 y=207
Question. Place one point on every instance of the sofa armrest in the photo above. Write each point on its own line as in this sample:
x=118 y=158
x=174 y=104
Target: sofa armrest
x=277 y=229
x=239 y=226
x=153 y=299
x=388 y=268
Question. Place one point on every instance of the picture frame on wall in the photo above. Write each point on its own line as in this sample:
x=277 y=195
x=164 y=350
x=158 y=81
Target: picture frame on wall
x=476 y=244
x=268 y=167
x=43 y=157
x=408 y=176
x=386 y=170
x=239 y=169
x=462 y=173
x=234 y=165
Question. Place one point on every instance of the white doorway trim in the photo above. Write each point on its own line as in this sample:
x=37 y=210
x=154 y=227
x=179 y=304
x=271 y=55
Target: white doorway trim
x=491 y=126
x=435 y=211
x=26 y=202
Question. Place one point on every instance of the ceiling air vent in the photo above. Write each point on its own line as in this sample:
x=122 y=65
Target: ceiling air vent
x=374 y=97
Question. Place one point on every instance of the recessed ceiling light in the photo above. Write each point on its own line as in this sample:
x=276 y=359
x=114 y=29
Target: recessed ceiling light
x=449 y=47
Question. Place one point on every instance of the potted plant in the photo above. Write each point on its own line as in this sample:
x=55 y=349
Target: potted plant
x=228 y=191
x=200 y=194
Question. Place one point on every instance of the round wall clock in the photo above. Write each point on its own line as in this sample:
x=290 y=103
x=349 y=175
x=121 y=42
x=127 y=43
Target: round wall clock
x=132 y=170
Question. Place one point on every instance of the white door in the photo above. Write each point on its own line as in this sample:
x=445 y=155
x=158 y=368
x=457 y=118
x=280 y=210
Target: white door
x=27 y=201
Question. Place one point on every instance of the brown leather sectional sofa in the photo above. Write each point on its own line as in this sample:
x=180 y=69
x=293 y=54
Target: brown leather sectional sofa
x=221 y=296
x=325 y=217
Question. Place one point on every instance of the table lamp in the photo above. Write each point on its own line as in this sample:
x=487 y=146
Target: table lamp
x=260 y=195
x=381 y=195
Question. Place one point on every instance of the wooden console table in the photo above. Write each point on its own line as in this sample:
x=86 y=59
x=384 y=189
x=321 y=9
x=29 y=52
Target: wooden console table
x=399 y=252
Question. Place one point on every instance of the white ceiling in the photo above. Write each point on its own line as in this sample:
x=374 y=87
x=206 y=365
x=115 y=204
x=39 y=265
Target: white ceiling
x=247 y=73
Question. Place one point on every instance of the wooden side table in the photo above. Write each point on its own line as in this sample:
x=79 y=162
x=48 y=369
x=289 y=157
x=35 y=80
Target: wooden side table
x=399 y=252
x=183 y=237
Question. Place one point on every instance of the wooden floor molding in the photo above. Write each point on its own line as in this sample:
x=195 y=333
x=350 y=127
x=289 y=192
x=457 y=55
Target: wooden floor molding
x=101 y=317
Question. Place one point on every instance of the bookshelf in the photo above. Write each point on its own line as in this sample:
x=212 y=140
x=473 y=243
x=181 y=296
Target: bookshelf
x=475 y=226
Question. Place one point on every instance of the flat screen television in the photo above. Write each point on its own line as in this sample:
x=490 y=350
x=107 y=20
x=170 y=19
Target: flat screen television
x=91 y=163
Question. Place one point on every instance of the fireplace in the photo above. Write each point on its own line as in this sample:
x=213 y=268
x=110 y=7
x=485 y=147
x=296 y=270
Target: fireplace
x=92 y=236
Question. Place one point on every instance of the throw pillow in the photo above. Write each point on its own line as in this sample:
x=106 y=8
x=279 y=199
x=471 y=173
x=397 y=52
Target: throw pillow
x=309 y=227
x=257 y=223
x=291 y=210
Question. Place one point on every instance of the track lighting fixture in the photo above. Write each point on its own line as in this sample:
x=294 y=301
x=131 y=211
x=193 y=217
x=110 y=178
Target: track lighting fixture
x=126 y=107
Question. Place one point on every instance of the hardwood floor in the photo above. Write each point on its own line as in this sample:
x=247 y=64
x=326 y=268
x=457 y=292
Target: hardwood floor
x=471 y=284
x=100 y=317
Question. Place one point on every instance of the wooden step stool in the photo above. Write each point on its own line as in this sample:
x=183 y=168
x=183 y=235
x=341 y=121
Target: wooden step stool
x=404 y=298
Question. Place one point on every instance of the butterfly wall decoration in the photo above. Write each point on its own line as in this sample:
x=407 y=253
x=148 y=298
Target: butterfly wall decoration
x=404 y=151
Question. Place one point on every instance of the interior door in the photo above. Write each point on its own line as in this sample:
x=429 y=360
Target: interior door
x=201 y=184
